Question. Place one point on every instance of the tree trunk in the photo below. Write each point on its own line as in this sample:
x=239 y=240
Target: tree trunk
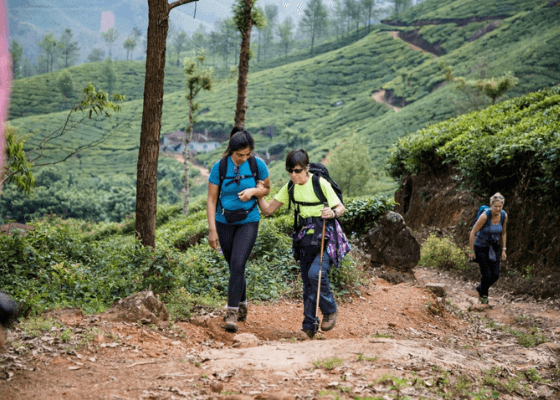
x=148 y=153
x=186 y=159
x=241 y=105
x=259 y=45
x=146 y=189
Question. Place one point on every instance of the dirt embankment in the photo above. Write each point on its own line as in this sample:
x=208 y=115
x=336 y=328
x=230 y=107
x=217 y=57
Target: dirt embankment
x=431 y=202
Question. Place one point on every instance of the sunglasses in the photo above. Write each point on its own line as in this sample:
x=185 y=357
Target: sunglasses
x=296 y=170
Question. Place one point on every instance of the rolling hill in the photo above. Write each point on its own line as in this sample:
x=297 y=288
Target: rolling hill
x=318 y=101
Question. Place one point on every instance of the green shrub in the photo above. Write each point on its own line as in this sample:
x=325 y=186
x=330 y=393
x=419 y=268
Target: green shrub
x=442 y=254
x=496 y=147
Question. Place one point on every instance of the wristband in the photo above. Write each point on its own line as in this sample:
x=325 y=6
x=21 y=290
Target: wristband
x=504 y=248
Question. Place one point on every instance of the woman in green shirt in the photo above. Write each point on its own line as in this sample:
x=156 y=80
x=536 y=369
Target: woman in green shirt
x=308 y=233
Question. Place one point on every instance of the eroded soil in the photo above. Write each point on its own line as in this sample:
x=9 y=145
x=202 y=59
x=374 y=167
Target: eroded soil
x=389 y=341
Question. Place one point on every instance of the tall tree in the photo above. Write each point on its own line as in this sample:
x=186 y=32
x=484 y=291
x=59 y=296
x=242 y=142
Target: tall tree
x=285 y=33
x=245 y=15
x=109 y=74
x=259 y=45
x=148 y=153
x=213 y=43
x=110 y=37
x=368 y=6
x=68 y=48
x=271 y=12
x=27 y=68
x=228 y=35
x=129 y=45
x=337 y=18
x=314 y=19
x=400 y=5
x=353 y=12
x=49 y=49
x=199 y=37
x=180 y=44
x=136 y=34
x=198 y=78
x=16 y=52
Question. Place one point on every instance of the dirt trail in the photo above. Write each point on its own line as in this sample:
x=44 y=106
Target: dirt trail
x=395 y=35
x=379 y=97
x=385 y=330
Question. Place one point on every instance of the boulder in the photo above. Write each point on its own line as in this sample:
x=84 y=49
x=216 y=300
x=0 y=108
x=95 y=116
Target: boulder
x=437 y=288
x=141 y=307
x=393 y=245
x=245 y=340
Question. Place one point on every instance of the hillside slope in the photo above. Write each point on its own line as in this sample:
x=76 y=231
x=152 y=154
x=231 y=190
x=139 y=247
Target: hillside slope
x=449 y=169
x=315 y=103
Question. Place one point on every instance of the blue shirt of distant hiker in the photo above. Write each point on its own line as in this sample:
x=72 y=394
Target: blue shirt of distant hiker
x=229 y=191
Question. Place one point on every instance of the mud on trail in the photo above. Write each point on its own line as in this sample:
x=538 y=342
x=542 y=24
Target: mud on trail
x=390 y=341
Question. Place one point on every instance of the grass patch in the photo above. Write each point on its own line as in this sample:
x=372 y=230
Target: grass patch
x=328 y=363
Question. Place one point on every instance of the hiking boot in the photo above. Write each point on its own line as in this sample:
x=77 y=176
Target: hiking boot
x=306 y=334
x=242 y=314
x=231 y=320
x=329 y=320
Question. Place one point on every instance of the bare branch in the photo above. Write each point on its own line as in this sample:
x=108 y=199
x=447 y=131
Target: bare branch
x=179 y=3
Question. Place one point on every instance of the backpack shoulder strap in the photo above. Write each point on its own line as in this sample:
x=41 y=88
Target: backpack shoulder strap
x=254 y=167
x=318 y=189
x=503 y=217
x=290 y=194
x=222 y=171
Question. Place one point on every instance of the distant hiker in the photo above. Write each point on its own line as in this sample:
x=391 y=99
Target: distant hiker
x=310 y=215
x=484 y=243
x=233 y=215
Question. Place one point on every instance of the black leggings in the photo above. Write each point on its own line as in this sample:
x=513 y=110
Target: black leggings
x=236 y=242
x=489 y=269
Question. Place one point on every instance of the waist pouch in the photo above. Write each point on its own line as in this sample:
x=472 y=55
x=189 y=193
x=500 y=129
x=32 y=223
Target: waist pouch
x=306 y=244
x=233 y=216
x=309 y=243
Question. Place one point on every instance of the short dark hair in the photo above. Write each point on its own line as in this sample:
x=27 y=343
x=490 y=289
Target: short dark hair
x=297 y=158
x=239 y=139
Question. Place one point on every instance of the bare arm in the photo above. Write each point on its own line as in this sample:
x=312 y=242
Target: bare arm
x=262 y=189
x=477 y=227
x=268 y=208
x=504 y=238
x=211 y=205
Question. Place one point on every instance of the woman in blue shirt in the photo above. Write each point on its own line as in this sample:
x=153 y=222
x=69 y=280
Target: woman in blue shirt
x=233 y=215
x=484 y=243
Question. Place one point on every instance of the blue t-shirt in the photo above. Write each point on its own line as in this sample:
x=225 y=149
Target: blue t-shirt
x=228 y=194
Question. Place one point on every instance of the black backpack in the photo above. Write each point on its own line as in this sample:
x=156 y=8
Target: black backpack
x=319 y=171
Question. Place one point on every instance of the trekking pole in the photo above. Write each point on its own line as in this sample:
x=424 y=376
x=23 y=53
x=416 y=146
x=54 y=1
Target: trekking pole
x=320 y=271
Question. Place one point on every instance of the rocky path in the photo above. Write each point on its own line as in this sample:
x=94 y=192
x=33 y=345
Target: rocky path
x=391 y=341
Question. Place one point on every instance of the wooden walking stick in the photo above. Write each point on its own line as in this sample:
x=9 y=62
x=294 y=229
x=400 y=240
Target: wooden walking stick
x=320 y=271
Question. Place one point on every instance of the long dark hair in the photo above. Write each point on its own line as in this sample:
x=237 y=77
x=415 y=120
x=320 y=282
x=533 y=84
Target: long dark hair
x=297 y=158
x=239 y=139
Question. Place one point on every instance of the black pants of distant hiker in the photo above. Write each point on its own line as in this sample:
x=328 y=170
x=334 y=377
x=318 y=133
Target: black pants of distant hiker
x=236 y=242
x=489 y=269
